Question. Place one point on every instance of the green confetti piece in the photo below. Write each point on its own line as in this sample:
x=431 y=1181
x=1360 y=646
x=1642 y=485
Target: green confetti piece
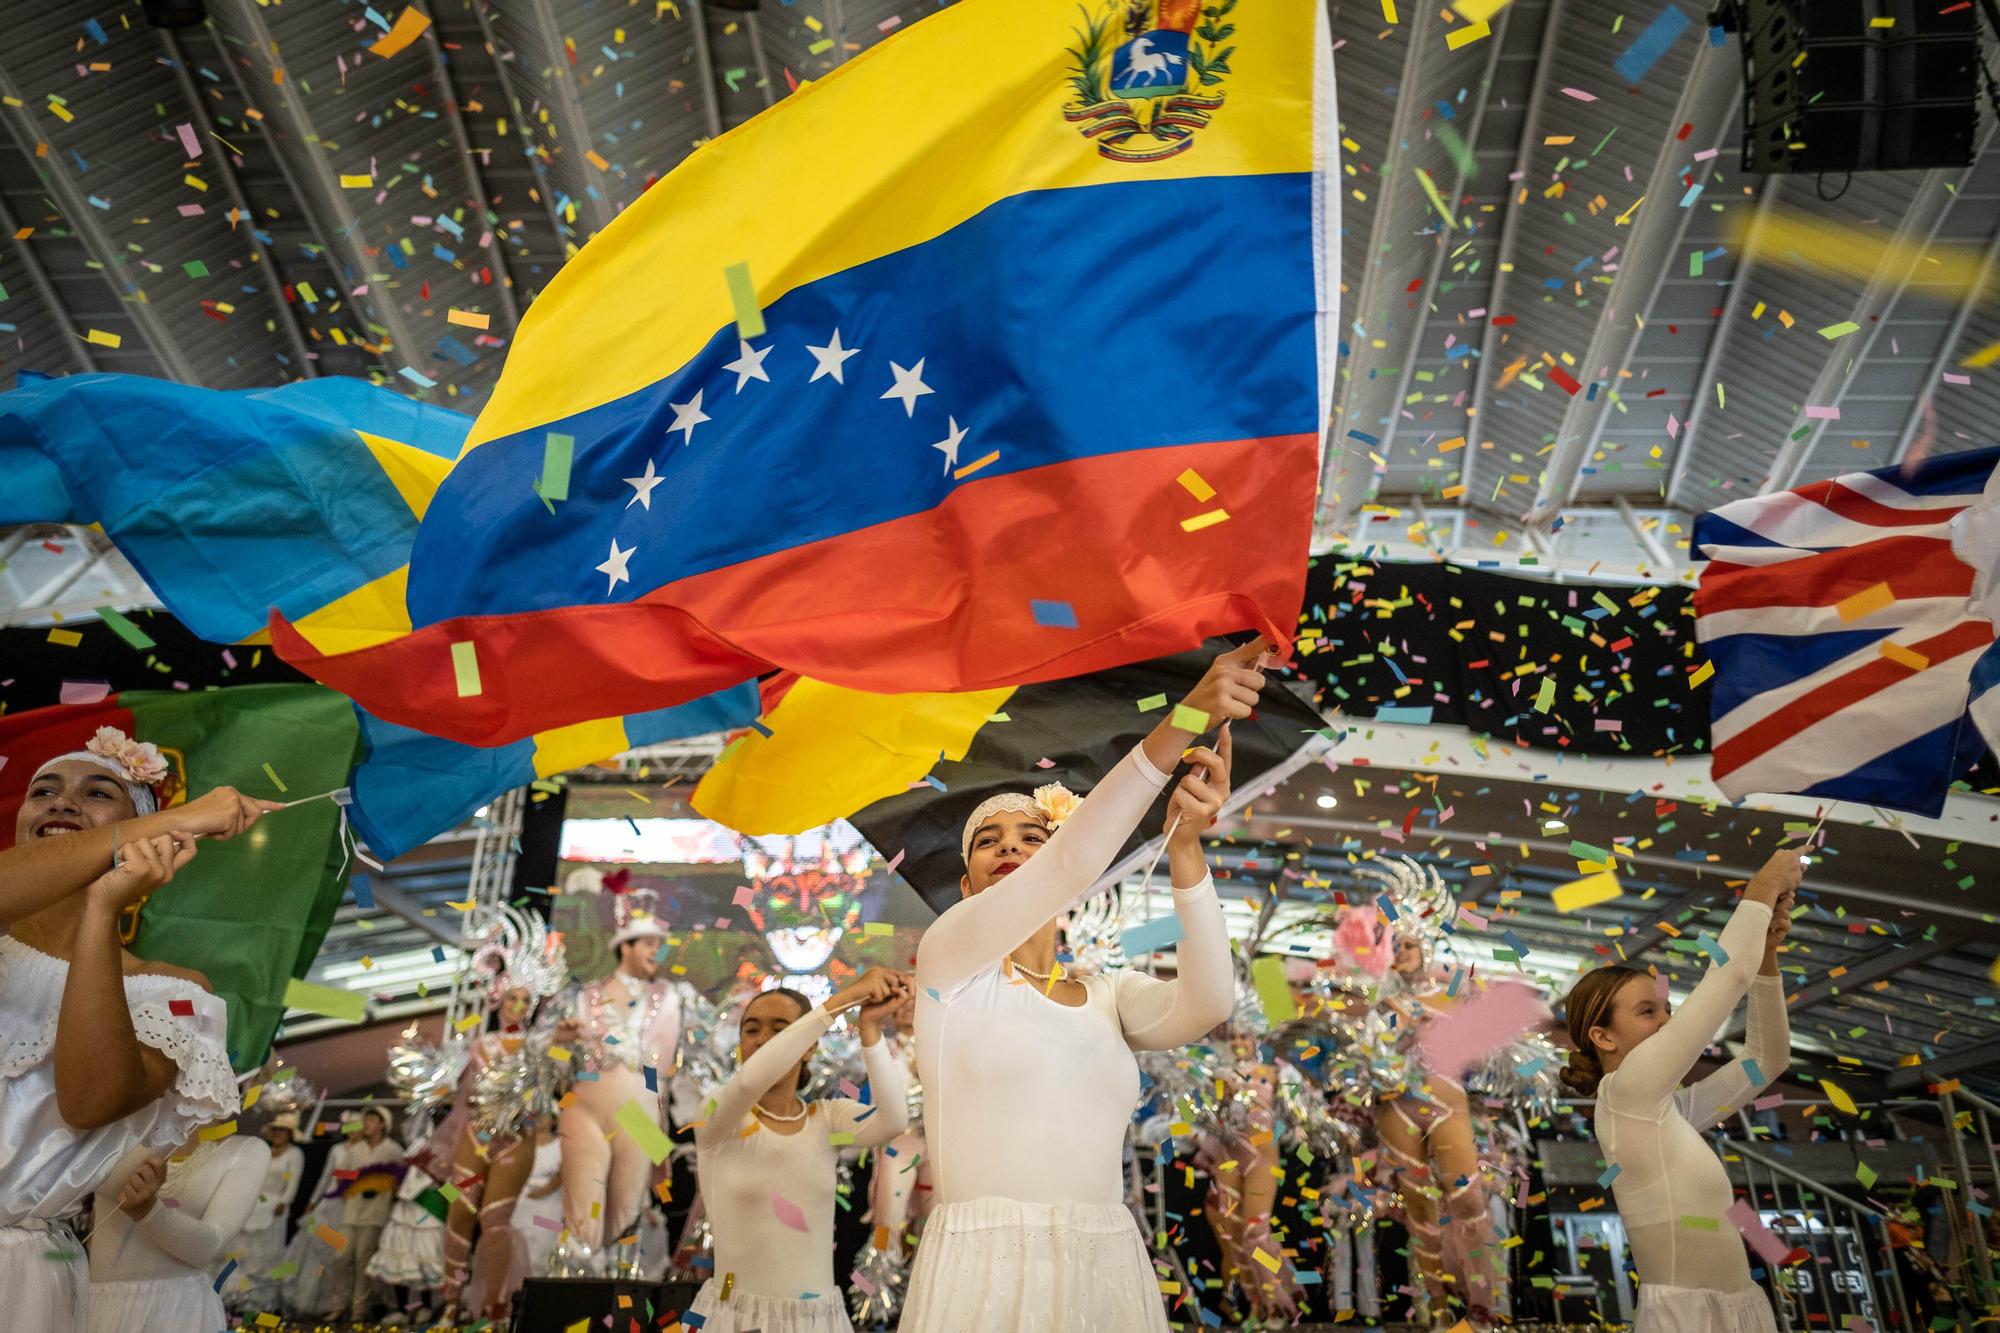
x=632 y=1118
x=276 y=781
x=822 y=46
x=1190 y=719
x=743 y=296
x=124 y=628
x=1431 y=192
x=1865 y=1174
x=1693 y=1223
x=1584 y=851
x=465 y=665
x=556 y=453
x=1152 y=701
x=194 y=268
x=433 y=1201
x=326 y=1001
x=1840 y=330
x=1268 y=975
x=285 y=1269
x=1547 y=695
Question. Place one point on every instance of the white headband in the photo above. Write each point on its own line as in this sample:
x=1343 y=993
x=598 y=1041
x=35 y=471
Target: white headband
x=144 y=801
x=1051 y=804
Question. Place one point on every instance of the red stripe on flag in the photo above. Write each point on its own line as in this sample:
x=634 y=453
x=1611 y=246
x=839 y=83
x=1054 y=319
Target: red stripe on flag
x=1842 y=692
x=939 y=600
x=31 y=739
x=1912 y=567
x=1858 y=508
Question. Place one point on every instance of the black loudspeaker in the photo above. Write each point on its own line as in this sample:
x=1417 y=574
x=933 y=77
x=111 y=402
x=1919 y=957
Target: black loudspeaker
x=541 y=839
x=1858 y=85
x=552 y=1304
x=174 y=13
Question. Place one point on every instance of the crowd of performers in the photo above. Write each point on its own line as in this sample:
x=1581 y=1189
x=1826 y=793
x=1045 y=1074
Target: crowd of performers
x=1050 y=1138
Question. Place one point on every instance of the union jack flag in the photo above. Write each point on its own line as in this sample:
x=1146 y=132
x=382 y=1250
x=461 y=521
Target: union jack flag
x=1851 y=627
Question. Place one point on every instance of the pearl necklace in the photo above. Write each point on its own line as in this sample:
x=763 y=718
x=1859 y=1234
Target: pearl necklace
x=178 y=1170
x=1046 y=978
x=758 y=1107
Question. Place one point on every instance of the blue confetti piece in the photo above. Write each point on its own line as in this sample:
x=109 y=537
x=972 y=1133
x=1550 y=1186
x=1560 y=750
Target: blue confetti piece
x=1151 y=936
x=364 y=893
x=1305 y=1277
x=760 y=729
x=229 y=1267
x=1646 y=50
x=1610 y=1174
x=1388 y=908
x=95 y=31
x=652 y=1079
x=1717 y=954
x=1754 y=1070
x=1514 y=943
x=1363 y=436
x=437 y=953
x=1398 y=713
x=1718 y=36
x=1053 y=615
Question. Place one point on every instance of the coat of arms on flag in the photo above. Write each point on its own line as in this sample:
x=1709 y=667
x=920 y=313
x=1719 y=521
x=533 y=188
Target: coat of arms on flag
x=1850 y=624
x=1147 y=74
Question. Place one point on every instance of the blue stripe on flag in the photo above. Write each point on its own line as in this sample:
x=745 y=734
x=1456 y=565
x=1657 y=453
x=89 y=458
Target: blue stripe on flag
x=1747 y=665
x=410 y=787
x=1948 y=474
x=1914 y=776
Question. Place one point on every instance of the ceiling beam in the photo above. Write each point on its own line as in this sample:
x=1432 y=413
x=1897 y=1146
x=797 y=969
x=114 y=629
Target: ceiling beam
x=1902 y=258
x=1967 y=303
x=92 y=234
x=503 y=276
x=764 y=84
x=1946 y=1067
x=38 y=278
x=704 y=63
x=1884 y=964
x=1385 y=310
x=568 y=110
x=311 y=175
x=537 y=164
x=1711 y=361
x=288 y=316
x=1483 y=371
x=1709 y=98
x=396 y=903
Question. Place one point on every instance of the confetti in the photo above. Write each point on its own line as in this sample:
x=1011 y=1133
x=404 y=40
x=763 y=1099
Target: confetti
x=1838 y=1096
x=410 y=25
x=1590 y=891
x=325 y=1001
x=743 y=297
x=1053 y=615
x=1864 y=603
x=788 y=1213
x=465 y=666
x=1267 y=974
x=633 y=1118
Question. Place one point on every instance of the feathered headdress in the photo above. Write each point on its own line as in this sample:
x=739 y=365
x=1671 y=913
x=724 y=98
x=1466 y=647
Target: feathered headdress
x=1415 y=898
x=521 y=954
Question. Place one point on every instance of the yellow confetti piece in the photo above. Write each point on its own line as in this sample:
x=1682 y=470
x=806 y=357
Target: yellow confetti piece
x=559 y=1053
x=1865 y=603
x=632 y=1118
x=276 y=781
x=1430 y=186
x=103 y=339
x=1190 y=719
x=65 y=638
x=1268 y=1261
x=1701 y=673
x=596 y=159
x=465 y=666
x=1196 y=487
x=1467 y=35
x=326 y=1001
x=470 y=319
x=974 y=466
x=1267 y=974
x=1840 y=330
x=1208 y=520
x=1982 y=358
x=1908 y=657
x=221 y=1131
x=349 y=182
x=466 y=1024
x=1587 y=892
x=743 y=300
x=1479 y=11
x=1841 y=1101
x=1389 y=12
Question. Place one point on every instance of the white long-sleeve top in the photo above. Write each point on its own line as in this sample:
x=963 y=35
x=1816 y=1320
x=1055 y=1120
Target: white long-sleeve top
x=190 y=1221
x=1026 y=1098
x=751 y=1173
x=1672 y=1191
x=281 y=1186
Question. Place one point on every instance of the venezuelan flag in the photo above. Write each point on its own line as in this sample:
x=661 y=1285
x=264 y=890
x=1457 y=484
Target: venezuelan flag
x=1001 y=354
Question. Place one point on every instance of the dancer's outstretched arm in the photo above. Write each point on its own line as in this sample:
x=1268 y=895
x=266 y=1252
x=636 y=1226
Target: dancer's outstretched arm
x=1767 y=1043
x=888 y=1111
x=978 y=932
x=733 y=1100
x=1652 y=1073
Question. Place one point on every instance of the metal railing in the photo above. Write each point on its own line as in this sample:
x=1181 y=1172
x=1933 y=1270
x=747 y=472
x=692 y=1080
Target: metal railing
x=1980 y=1113
x=1860 y=1258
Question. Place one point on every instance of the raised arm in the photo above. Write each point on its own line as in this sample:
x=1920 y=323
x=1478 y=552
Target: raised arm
x=888 y=1111
x=1159 y=1015
x=733 y=1100
x=1767 y=1043
x=978 y=932
x=197 y=1239
x=1650 y=1075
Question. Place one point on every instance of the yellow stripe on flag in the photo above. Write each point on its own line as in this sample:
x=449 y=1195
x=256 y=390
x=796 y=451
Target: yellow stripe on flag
x=832 y=751
x=893 y=148
x=579 y=744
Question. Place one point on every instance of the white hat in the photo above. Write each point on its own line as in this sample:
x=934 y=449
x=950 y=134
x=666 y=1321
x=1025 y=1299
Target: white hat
x=641 y=926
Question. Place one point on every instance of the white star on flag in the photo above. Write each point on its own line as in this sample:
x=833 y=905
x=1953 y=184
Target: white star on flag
x=615 y=566
x=831 y=358
x=642 y=488
x=909 y=386
x=687 y=416
x=749 y=364
x=954 y=436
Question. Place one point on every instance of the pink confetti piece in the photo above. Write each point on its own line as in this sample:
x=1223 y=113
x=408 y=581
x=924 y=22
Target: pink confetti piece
x=1481 y=1025
x=1822 y=414
x=1759 y=1237
x=787 y=1212
x=895 y=861
x=742 y=897
x=83 y=691
x=188 y=139
x=1579 y=94
x=1950 y=378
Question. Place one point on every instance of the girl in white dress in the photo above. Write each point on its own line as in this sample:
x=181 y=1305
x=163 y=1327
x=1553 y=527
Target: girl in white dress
x=260 y=1245
x=161 y=1226
x=1632 y=1055
x=768 y=1184
x=100 y=1052
x=1029 y=1078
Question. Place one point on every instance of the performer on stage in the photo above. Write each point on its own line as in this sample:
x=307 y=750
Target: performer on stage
x=1029 y=1076
x=1632 y=1055
x=260 y=1245
x=624 y=1024
x=768 y=1185
x=507 y=1092
x=359 y=1208
x=161 y=1225
x=94 y=1058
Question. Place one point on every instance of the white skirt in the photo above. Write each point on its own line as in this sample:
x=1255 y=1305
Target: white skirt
x=44 y=1277
x=410 y=1255
x=745 y=1313
x=1000 y=1264
x=158 y=1305
x=256 y=1253
x=1694 y=1310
